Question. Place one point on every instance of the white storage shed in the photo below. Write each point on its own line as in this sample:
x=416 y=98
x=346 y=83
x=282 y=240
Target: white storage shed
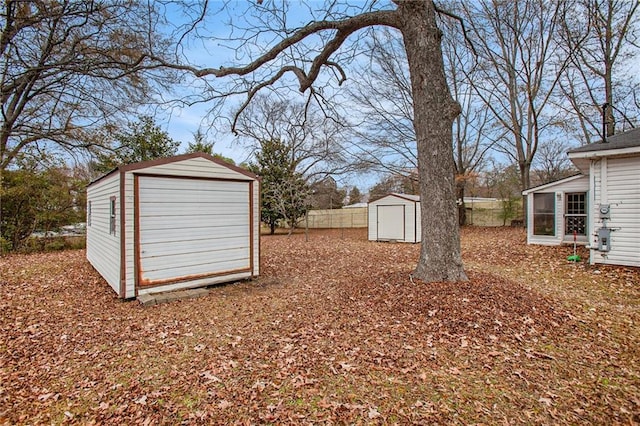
x=174 y=223
x=395 y=217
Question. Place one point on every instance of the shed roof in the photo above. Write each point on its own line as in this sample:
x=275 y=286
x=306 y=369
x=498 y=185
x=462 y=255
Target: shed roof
x=409 y=197
x=167 y=160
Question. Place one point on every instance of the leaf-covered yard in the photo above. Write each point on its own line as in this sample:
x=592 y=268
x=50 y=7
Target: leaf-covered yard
x=334 y=331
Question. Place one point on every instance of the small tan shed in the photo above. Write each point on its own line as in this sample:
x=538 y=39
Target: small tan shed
x=174 y=223
x=395 y=217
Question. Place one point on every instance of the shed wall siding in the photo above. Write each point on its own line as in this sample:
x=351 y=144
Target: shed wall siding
x=617 y=183
x=256 y=227
x=410 y=222
x=103 y=248
x=129 y=206
x=199 y=167
x=418 y=234
x=192 y=227
x=372 y=219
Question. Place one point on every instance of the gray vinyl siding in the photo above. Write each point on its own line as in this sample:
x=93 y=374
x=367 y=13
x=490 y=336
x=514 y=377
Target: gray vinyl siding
x=617 y=183
x=103 y=247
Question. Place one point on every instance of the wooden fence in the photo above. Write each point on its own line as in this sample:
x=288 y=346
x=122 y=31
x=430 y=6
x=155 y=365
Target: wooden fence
x=483 y=213
x=355 y=217
x=491 y=213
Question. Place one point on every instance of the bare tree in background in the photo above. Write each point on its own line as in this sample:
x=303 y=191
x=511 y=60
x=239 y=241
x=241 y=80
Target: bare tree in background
x=303 y=52
x=314 y=140
x=69 y=67
x=382 y=123
x=552 y=162
x=385 y=135
x=601 y=36
x=474 y=130
x=520 y=66
x=394 y=183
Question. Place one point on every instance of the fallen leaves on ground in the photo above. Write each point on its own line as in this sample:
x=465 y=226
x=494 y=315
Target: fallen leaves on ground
x=334 y=331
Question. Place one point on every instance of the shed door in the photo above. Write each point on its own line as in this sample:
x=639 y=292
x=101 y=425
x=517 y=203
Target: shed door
x=191 y=228
x=391 y=222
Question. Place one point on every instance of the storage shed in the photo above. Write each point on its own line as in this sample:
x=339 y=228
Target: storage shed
x=602 y=203
x=173 y=223
x=395 y=217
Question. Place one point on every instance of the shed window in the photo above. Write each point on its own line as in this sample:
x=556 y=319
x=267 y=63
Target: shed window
x=576 y=213
x=89 y=213
x=544 y=206
x=112 y=215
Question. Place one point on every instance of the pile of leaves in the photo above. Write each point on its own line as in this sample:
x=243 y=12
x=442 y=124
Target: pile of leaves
x=334 y=331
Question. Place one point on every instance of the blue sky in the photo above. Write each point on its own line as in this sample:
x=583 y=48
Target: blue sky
x=213 y=51
x=181 y=122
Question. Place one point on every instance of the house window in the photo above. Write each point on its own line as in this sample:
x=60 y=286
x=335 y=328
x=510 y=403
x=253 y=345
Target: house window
x=88 y=213
x=544 y=206
x=575 y=218
x=112 y=215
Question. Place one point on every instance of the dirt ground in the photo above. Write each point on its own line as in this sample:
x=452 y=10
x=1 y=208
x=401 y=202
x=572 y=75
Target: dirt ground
x=335 y=332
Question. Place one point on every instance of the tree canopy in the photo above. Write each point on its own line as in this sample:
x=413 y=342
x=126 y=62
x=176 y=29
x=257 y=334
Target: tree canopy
x=69 y=68
x=313 y=53
x=284 y=191
x=142 y=140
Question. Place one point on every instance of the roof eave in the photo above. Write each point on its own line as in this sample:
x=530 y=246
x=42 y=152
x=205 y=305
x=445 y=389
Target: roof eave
x=167 y=160
x=604 y=153
x=552 y=184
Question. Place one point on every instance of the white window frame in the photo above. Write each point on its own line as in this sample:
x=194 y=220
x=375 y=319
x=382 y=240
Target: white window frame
x=568 y=216
x=112 y=215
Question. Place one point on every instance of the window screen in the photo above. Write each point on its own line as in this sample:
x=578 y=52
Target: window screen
x=544 y=207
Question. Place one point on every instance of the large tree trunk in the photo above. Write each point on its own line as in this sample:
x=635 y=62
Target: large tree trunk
x=434 y=112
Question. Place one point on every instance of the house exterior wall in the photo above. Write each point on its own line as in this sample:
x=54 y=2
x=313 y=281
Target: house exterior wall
x=411 y=218
x=103 y=246
x=124 y=182
x=616 y=182
x=577 y=184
